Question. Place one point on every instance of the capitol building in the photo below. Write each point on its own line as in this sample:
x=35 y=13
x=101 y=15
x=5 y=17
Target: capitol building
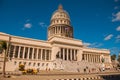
x=59 y=52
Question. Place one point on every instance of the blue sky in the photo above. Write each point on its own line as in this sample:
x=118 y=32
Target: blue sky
x=95 y=22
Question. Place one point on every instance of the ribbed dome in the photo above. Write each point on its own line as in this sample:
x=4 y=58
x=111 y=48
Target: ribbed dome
x=60 y=16
x=60 y=24
x=60 y=13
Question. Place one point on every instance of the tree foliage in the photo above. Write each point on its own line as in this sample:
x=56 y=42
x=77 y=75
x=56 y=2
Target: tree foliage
x=3 y=45
x=113 y=57
x=21 y=67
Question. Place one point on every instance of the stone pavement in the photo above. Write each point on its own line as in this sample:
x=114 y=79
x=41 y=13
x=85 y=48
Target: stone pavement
x=58 y=76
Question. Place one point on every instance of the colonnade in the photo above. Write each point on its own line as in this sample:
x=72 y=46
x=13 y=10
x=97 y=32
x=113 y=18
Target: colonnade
x=24 y=52
x=59 y=30
x=91 y=57
x=67 y=54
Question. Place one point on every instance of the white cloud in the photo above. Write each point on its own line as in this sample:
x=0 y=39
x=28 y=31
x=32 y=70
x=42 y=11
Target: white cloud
x=27 y=20
x=116 y=7
x=116 y=17
x=116 y=0
x=96 y=45
x=118 y=28
x=86 y=44
x=27 y=25
x=118 y=39
x=93 y=45
x=42 y=24
x=108 y=37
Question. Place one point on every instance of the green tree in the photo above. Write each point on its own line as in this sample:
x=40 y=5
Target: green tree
x=3 y=48
x=21 y=67
x=113 y=57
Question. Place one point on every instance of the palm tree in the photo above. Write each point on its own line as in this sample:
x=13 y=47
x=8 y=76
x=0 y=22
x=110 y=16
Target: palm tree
x=3 y=47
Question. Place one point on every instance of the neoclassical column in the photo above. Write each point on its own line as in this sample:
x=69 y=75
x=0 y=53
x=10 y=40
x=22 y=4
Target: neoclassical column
x=66 y=54
x=23 y=53
x=55 y=30
x=85 y=57
x=94 y=58
x=88 y=58
x=49 y=54
x=60 y=29
x=58 y=53
x=71 y=54
x=14 y=51
x=63 y=54
x=97 y=59
x=28 y=54
x=33 y=54
x=45 y=54
x=19 y=52
x=41 y=54
x=74 y=55
x=91 y=57
x=37 y=53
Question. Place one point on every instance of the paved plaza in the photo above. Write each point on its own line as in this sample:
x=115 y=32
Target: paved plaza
x=60 y=76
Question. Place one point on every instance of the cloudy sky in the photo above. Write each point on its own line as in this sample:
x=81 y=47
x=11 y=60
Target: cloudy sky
x=95 y=22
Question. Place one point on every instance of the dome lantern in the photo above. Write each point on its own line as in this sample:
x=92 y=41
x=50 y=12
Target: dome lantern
x=60 y=7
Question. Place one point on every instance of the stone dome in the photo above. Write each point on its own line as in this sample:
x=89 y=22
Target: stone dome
x=60 y=24
x=60 y=16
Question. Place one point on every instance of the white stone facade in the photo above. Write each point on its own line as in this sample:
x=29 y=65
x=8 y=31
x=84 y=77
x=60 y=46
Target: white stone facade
x=53 y=53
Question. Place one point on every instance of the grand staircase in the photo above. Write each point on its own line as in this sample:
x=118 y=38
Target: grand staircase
x=76 y=66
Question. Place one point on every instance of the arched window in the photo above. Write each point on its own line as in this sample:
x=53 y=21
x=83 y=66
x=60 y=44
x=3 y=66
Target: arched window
x=29 y=63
